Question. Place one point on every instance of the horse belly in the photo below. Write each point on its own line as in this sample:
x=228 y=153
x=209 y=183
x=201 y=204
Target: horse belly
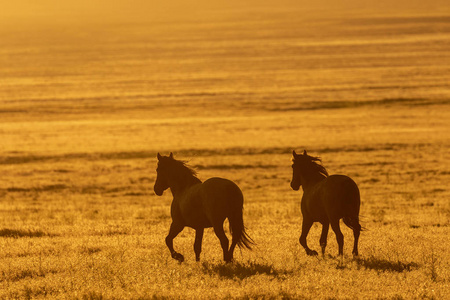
x=210 y=203
x=316 y=211
x=198 y=221
x=194 y=215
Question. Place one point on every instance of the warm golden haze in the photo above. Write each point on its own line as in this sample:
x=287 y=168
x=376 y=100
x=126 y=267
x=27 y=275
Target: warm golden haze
x=91 y=91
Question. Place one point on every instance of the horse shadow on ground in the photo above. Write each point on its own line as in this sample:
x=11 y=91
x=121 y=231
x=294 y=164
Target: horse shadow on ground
x=384 y=265
x=238 y=270
x=242 y=270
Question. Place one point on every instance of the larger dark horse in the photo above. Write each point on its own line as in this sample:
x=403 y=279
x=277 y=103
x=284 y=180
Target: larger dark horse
x=201 y=205
x=326 y=199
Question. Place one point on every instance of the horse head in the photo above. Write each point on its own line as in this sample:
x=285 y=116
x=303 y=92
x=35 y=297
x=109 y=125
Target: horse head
x=162 y=182
x=296 y=179
x=306 y=168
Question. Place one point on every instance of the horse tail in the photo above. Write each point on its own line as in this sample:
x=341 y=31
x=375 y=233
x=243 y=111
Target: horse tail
x=351 y=218
x=353 y=223
x=237 y=228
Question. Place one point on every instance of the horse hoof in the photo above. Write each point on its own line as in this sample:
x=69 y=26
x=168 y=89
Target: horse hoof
x=178 y=257
x=312 y=253
x=228 y=260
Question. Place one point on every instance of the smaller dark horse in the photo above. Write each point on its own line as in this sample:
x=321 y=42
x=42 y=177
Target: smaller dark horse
x=201 y=205
x=326 y=199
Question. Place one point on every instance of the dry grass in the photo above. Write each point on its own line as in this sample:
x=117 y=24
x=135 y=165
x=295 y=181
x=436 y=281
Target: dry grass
x=85 y=107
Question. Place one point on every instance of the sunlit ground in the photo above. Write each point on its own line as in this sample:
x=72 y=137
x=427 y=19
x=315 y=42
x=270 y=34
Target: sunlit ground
x=90 y=94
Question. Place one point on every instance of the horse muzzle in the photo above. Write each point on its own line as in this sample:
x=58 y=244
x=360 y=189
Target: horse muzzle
x=294 y=186
x=158 y=191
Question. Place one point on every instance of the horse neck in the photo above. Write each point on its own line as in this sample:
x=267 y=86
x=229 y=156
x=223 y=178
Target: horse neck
x=311 y=180
x=178 y=185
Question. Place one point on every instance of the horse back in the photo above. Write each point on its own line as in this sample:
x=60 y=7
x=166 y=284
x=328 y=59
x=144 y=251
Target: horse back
x=341 y=187
x=220 y=194
x=341 y=196
x=334 y=197
x=209 y=202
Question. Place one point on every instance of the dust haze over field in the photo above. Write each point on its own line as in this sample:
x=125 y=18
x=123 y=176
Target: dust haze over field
x=89 y=93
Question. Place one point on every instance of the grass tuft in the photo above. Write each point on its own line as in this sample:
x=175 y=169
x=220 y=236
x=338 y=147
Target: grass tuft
x=16 y=233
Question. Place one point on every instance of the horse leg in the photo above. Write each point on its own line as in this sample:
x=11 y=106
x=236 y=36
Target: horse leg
x=198 y=243
x=220 y=233
x=339 y=235
x=230 y=252
x=306 y=226
x=356 y=232
x=323 y=236
x=174 y=230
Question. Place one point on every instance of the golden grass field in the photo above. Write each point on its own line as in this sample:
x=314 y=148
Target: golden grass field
x=90 y=94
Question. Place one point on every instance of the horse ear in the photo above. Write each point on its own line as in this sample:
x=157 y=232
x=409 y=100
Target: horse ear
x=304 y=152
x=158 y=156
x=171 y=155
x=294 y=154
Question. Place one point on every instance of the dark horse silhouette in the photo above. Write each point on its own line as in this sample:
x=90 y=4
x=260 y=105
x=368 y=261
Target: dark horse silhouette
x=326 y=199
x=201 y=205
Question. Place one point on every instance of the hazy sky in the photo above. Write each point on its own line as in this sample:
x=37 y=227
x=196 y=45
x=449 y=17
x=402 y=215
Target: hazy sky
x=25 y=11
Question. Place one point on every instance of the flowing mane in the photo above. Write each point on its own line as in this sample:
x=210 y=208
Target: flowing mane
x=182 y=168
x=311 y=165
x=179 y=171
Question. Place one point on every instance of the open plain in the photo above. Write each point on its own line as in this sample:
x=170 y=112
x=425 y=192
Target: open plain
x=89 y=96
